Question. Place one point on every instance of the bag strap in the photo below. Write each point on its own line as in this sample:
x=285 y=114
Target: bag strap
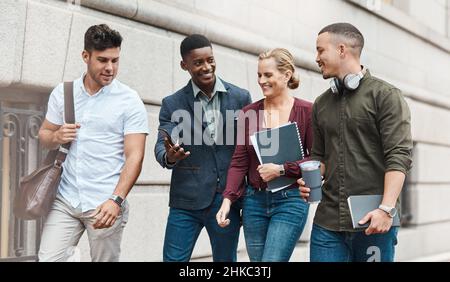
x=69 y=111
x=69 y=117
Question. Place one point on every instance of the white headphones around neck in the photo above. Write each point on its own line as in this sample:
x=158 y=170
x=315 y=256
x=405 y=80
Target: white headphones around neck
x=351 y=82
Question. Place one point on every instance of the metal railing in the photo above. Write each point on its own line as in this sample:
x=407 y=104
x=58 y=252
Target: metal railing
x=20 y=153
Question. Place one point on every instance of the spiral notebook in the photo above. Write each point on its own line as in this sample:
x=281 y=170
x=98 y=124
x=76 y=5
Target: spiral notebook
x=278 y=145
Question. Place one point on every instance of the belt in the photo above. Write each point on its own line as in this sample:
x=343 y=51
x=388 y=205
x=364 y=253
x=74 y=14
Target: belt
x=260 y=189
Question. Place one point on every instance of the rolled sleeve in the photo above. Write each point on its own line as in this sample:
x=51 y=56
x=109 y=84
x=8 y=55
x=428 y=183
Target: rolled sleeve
x=55 y=112
x=394 y=122
x=136 y=120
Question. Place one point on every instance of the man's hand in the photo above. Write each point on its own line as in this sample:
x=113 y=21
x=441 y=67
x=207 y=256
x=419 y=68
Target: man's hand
x=304 y=191
x=106 y=214
x=268 y=172
x=380 y=222
x=174 y=153
x=66 y=133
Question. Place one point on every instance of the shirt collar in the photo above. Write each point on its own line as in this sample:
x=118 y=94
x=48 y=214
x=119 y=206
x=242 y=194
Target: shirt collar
x=104 y=89
x=218 y=87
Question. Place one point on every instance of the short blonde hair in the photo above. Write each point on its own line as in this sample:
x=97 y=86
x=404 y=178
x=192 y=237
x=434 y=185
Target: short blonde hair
x=285 y=62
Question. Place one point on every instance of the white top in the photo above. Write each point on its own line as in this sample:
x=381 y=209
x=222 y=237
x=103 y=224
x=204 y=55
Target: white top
x=92 y=168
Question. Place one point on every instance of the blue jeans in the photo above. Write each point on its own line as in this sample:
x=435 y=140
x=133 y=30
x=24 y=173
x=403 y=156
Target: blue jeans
x=273 y=223
x=331 y=246
x=184 y=226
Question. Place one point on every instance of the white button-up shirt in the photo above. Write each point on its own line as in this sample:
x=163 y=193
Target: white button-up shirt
x=92 y=168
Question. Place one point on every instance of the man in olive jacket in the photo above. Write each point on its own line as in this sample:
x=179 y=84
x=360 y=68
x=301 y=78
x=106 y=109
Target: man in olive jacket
x=362 y=136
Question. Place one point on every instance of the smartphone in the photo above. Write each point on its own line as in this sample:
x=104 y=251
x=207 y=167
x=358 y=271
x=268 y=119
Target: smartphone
x=166 y=134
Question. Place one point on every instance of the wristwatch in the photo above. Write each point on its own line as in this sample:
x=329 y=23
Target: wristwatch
x=391 y=211
x=117 y=199
x=282 y=171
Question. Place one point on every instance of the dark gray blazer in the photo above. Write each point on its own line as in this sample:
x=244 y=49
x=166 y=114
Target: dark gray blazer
x=196 y=179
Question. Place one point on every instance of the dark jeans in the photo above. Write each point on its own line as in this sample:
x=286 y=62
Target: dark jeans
x=273 y=223
x=331 y=246
x=184 y=226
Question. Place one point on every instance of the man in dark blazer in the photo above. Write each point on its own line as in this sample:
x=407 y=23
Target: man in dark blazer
x=203 y=140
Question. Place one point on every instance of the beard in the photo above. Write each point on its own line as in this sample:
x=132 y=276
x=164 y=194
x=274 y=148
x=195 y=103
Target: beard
x=326 y=76
x=99 y=80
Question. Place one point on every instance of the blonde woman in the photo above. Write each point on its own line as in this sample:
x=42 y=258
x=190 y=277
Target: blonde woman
x=272 y=221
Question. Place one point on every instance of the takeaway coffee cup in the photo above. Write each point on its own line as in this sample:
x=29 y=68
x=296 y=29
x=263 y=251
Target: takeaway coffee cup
x=313 y=179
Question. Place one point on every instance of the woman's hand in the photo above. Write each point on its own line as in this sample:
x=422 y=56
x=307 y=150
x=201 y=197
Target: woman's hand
x=223 y=212
x=269 y=171
x=304 y=191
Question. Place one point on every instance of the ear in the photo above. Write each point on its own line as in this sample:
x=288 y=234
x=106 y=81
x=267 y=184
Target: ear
x=342 y=49
x=287 y=75
x=183 y=65
x=85 y=55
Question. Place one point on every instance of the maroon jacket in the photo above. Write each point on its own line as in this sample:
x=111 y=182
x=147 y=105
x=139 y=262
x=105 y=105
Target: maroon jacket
x=245 y=161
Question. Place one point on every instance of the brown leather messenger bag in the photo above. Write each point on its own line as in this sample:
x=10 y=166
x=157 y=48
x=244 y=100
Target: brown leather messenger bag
x=37 y=191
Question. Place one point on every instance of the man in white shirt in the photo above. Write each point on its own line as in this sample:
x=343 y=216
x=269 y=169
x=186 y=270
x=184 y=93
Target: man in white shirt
x=105 y=157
